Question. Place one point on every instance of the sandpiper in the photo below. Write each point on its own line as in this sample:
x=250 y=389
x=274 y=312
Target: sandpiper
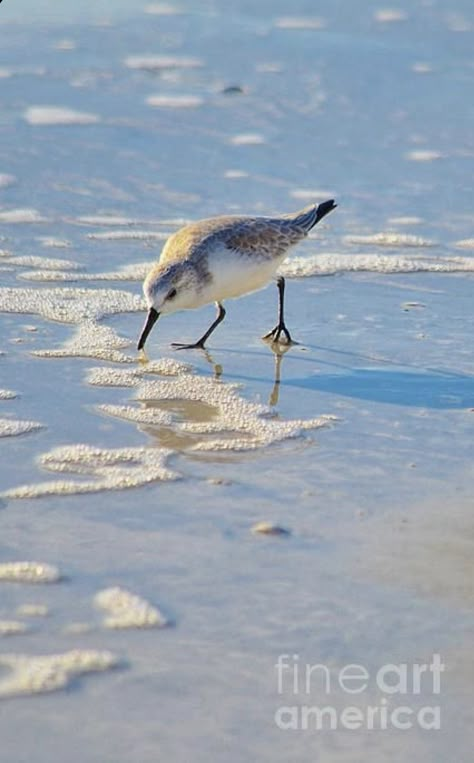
x=222 y=258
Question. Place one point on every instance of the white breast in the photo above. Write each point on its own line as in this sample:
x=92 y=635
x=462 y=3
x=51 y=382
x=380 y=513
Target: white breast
x=234 y=274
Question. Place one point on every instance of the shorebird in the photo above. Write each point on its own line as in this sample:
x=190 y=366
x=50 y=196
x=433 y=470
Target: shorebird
x=222 y=258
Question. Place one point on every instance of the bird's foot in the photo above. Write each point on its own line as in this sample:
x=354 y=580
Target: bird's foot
x=279 y=335
x=196 y=346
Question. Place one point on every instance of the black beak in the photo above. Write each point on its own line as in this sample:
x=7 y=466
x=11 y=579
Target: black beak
x=153 y=316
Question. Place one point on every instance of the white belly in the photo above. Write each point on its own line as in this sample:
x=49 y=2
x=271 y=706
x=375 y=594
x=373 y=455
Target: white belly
x=234 y=275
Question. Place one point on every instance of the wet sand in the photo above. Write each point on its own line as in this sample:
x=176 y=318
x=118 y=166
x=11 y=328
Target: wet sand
x=129 y=490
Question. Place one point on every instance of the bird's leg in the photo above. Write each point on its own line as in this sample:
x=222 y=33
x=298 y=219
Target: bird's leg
x=280 y=328
x=199 y=345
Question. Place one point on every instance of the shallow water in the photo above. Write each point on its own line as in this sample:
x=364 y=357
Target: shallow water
x=139 y=483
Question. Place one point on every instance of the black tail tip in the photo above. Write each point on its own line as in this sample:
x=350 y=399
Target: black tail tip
x=324 y=208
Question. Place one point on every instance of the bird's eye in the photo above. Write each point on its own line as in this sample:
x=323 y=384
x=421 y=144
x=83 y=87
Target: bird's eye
x=171 y=294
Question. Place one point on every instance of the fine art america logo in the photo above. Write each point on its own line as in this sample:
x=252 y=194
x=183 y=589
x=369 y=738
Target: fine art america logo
x=397 y=689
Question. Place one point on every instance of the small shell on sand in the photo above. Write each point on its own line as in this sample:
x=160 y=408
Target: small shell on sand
x=268 y=528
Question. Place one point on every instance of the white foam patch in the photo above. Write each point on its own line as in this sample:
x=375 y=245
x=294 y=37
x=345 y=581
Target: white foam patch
x=29 y=572
x=68 y=305
x=235 y=174
x=389 y=15
x=52 y=242
x=465 y=243
x=111 y=469
x=244 y=425
x=149 y=416
x=421 y=67
x=329 y=264
x=129 y=235
x=54 y=115
x=105 y=220
x=127 y=610
x=174 y=101
x=247 y=139
x=12 y=628
x=118 y=377
x=300 y=22
x=135 y=272
x=45 y=673
x=45 y=263
x=91 y=340
x=7 y=180
x=405 y=220
x=14 y=427
x=21 y=216
x=423 y=155
x=155 y=63
x=390 y=239
x=7 y=394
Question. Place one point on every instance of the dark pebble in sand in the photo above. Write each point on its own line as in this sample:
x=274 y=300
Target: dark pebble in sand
x=232 y=90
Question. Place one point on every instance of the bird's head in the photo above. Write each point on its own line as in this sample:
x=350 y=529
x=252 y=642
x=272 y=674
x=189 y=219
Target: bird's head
x=167 y=288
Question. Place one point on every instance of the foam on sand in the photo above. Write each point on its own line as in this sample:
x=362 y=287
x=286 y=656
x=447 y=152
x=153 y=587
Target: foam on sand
x=129 y=235
x=7 y=394
x=12 y=628
x=330 y=264
x=247 y=139
x=29 y=572
x=21 y=216
x=14 y=427
x=110 y=469
x=400 y=240
x=45 y=673
x=155 y=63
x=174 y=101
x=55 y=115
x=236 y=424
x=127 y=610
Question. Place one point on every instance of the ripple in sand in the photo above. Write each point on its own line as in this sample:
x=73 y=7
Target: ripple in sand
x=110 y=469
x=155 y=63
x=14 y=427
x=45 y=673
x=300 y=22
x=55 y=115
x=29 y=572
x=21 y=216
x=390 y=239
x=127 y=610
